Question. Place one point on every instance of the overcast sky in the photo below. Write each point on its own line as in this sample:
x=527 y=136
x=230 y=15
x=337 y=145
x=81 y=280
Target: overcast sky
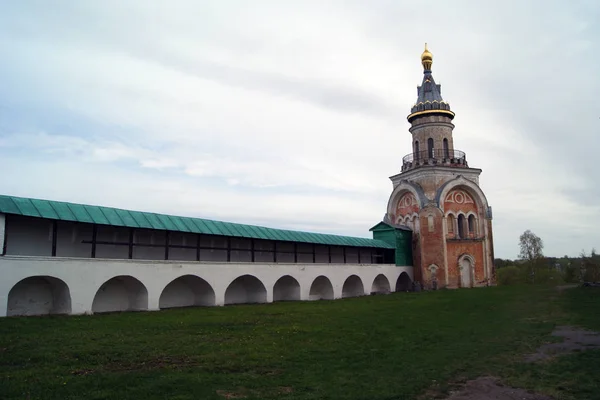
x=292 y=114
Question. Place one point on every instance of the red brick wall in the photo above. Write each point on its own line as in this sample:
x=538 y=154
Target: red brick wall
x=455 y=249
x=459 y=200
x=432 y=245
x=407 y=205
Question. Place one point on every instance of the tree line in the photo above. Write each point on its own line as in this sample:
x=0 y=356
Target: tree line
x=532 y=266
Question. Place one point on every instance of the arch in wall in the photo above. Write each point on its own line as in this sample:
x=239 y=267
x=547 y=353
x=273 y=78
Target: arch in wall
x=400 y=190
x=121 y=293
x=286 y=288
x=246 y=289
x=187 y=291
x=381 y=284
x=403 y=283
x=321 y=289
x=353 y=287
x=466 y=266
x=460 y=182
x=39 y=295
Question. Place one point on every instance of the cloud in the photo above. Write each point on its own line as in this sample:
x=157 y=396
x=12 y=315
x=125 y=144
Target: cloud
x=294 y=115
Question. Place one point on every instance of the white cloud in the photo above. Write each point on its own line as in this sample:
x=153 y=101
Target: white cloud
x=294 y=115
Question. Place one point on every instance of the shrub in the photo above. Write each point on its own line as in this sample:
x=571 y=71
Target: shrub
x=510 y=275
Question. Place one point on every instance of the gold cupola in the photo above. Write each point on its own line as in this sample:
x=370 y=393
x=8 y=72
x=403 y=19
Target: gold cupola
x=429 y=94
x=426 y=59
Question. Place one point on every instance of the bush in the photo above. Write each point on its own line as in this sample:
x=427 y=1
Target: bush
x=510 y=275
x=521 y=274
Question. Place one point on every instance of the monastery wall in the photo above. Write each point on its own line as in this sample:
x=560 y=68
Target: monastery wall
x=33 y=285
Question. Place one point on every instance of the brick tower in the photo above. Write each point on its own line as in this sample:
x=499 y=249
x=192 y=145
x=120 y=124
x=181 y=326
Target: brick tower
x=437 y=195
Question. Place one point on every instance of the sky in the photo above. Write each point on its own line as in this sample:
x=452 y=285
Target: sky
x=292 y=114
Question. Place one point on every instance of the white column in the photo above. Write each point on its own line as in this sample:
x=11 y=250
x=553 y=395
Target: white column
x=2 y=233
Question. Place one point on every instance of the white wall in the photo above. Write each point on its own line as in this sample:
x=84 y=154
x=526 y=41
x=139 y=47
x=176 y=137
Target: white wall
x=146 y=280
x=2 y=230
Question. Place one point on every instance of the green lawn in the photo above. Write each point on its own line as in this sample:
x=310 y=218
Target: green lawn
x=398 y=346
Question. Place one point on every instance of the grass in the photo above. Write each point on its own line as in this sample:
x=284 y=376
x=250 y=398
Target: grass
x=400 y=346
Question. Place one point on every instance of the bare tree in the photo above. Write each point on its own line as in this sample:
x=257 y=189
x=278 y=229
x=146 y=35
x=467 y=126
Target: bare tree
x=531 y=250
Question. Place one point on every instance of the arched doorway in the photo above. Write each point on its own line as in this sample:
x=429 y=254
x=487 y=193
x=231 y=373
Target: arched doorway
x=403 y=284
x=121 y=293
x=187 y=291
x=39 y=295
x=381 y=284
x=246 y=289
x=465 y=265
x=321 y=289
x=286 y=289
x=353 y=287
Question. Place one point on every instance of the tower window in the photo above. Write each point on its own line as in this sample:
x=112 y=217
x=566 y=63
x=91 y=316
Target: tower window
x=446 y=149
x=472 y=225
x=416 y=149
x=461 y=227
x=450 y=223
x=430 y=148
x=430 y=224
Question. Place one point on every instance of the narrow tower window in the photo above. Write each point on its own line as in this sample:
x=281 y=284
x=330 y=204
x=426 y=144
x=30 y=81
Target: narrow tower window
x=472 y=225
x=430 y=148
x=450 y=223
x=416 y=150
x=446 y=150
x=461 y=227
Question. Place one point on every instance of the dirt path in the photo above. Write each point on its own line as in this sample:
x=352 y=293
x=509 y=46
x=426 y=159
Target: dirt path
x=489 y=388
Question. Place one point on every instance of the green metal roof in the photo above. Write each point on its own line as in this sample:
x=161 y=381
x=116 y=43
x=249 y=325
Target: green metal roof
x=57 y=210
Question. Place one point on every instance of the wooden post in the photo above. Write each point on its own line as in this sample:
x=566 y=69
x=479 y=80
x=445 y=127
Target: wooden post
x=228 y=249
x=54 y=234
x=198 y=237
x=94 y=239
x=167 y=238
x=131 y=233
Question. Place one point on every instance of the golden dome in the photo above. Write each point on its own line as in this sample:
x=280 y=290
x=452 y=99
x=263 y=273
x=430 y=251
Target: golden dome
x=426 y=59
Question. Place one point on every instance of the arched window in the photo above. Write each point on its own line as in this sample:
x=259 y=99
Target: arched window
x=472 y=225
x=446 y=149
x=450 y=224
x=430 y=148
x=461 y=227
x=417 y=150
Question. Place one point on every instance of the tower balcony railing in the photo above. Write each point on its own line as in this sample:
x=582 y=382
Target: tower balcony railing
x=439 y=157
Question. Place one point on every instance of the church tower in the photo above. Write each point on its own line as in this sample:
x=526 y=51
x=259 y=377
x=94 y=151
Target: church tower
x=437 y=195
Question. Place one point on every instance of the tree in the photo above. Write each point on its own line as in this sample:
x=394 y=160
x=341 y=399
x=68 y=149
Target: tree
x=590 y=267
x=531 y=250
